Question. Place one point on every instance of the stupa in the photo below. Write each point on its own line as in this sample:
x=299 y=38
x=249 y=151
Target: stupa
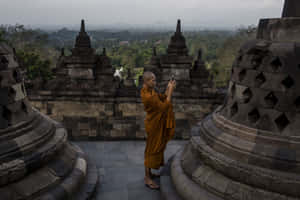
x=36 y=160
x=176 y=63
x=80 y=64
x=192 y=77
x=83 y=69
x=249 y=147
x=200 y=76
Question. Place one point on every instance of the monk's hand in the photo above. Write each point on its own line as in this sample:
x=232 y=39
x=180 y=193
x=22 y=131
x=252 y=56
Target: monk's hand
x=169 y=84
x=173 y=84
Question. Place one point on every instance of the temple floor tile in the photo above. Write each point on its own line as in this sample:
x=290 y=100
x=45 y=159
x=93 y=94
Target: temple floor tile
x=121 y=168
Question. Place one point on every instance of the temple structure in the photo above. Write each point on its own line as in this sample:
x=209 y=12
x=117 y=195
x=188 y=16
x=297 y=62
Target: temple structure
x=36 y=160
x=191 y=77
x=248 y=148
x=83 y=69
x=95 y=105
x=199 y=75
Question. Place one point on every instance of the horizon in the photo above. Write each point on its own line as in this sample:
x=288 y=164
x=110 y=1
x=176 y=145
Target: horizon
x=130 y=14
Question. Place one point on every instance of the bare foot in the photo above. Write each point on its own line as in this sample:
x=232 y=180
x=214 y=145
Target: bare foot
x=151 y=184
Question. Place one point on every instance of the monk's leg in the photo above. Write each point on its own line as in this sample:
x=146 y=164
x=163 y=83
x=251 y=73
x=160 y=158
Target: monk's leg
x=153 y=175
x=147 y=172
x=148 y=180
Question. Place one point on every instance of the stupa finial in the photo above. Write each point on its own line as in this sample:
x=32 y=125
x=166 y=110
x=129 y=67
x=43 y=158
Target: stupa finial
x=82 y=28
x=291 y=8
x=178 y=28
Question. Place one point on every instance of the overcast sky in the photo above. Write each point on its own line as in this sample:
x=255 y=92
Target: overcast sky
x=202 y=13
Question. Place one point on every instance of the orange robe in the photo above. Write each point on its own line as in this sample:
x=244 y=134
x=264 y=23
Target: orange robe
x=159 y=125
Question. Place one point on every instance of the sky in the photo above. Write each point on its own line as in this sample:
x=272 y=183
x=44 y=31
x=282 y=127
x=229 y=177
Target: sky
x=197 y=13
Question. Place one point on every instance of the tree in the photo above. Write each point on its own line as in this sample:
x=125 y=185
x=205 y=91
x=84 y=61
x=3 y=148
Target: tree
x=34 y=66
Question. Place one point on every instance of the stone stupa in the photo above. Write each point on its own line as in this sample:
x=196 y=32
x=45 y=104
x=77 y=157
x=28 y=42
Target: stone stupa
x=249 y=148
x=36 y=160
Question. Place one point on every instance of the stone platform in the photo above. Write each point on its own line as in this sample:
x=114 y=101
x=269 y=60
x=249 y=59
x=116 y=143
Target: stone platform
x=121 y=168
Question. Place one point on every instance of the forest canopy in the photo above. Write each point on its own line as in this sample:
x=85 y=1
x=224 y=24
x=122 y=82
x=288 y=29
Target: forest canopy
x=38 y=50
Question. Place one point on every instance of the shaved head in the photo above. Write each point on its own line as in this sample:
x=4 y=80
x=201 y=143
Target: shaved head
x=149 y=79
x=147 y=76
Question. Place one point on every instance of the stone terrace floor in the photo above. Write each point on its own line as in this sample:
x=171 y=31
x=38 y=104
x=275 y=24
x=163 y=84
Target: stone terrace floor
x=121 y=168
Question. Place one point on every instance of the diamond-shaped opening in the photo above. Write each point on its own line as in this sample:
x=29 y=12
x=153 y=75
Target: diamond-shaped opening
x=23 y=88
x=256 y=61
x=282 y=122
x=242 y=75
x=6 y=114
x=240 y=58
x=288 y=82
x=16 y=76
x=12 y=92
x=233 y=109
x=276 y=64
x=297 y=102
x=232 y=90
x=3 y=60
x=24 y=106
x=260 y=79
x=253 y=116
x=247 y=95
x=271 y=99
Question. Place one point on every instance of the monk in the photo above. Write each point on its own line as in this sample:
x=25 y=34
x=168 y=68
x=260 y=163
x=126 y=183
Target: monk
x=159 y=125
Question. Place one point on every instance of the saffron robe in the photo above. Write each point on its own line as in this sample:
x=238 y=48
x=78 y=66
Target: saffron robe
x=159 y=126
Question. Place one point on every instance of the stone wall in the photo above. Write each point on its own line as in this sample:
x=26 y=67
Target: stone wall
x=117 y=118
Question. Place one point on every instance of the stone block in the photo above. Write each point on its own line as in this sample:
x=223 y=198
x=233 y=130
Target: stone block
x=180 y=115
x=128 y=109
x=140 y=134
x=35 y=182
x=117 y=133
x=93 y=133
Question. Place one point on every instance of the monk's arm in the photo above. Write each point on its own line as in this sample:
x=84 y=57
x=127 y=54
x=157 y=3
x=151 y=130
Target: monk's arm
x=169 y=95
x=155 y=103
x=169 y=91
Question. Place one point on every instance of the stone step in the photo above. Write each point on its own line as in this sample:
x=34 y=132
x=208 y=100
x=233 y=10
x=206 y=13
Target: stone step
x=194 y=174
x=61 y=171
x=167 y=190
x=26 y=143
x=186 y=187
x=89 y=186
x=261 y=154
x=19 y=129
x=69 y=188
x=22 y=165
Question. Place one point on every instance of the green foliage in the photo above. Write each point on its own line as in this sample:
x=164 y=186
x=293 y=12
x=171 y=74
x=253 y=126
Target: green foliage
x=29 y=40
x=34 y=65
x=39 y=50
x=226 y=54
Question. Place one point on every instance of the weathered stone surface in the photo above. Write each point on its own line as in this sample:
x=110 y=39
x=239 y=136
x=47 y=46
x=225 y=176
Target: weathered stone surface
x=95 y=119
x=290 y=8
x=192 y=78
x=35 y=156
x=82 y=70
x=248 y=148
x=92 y=103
